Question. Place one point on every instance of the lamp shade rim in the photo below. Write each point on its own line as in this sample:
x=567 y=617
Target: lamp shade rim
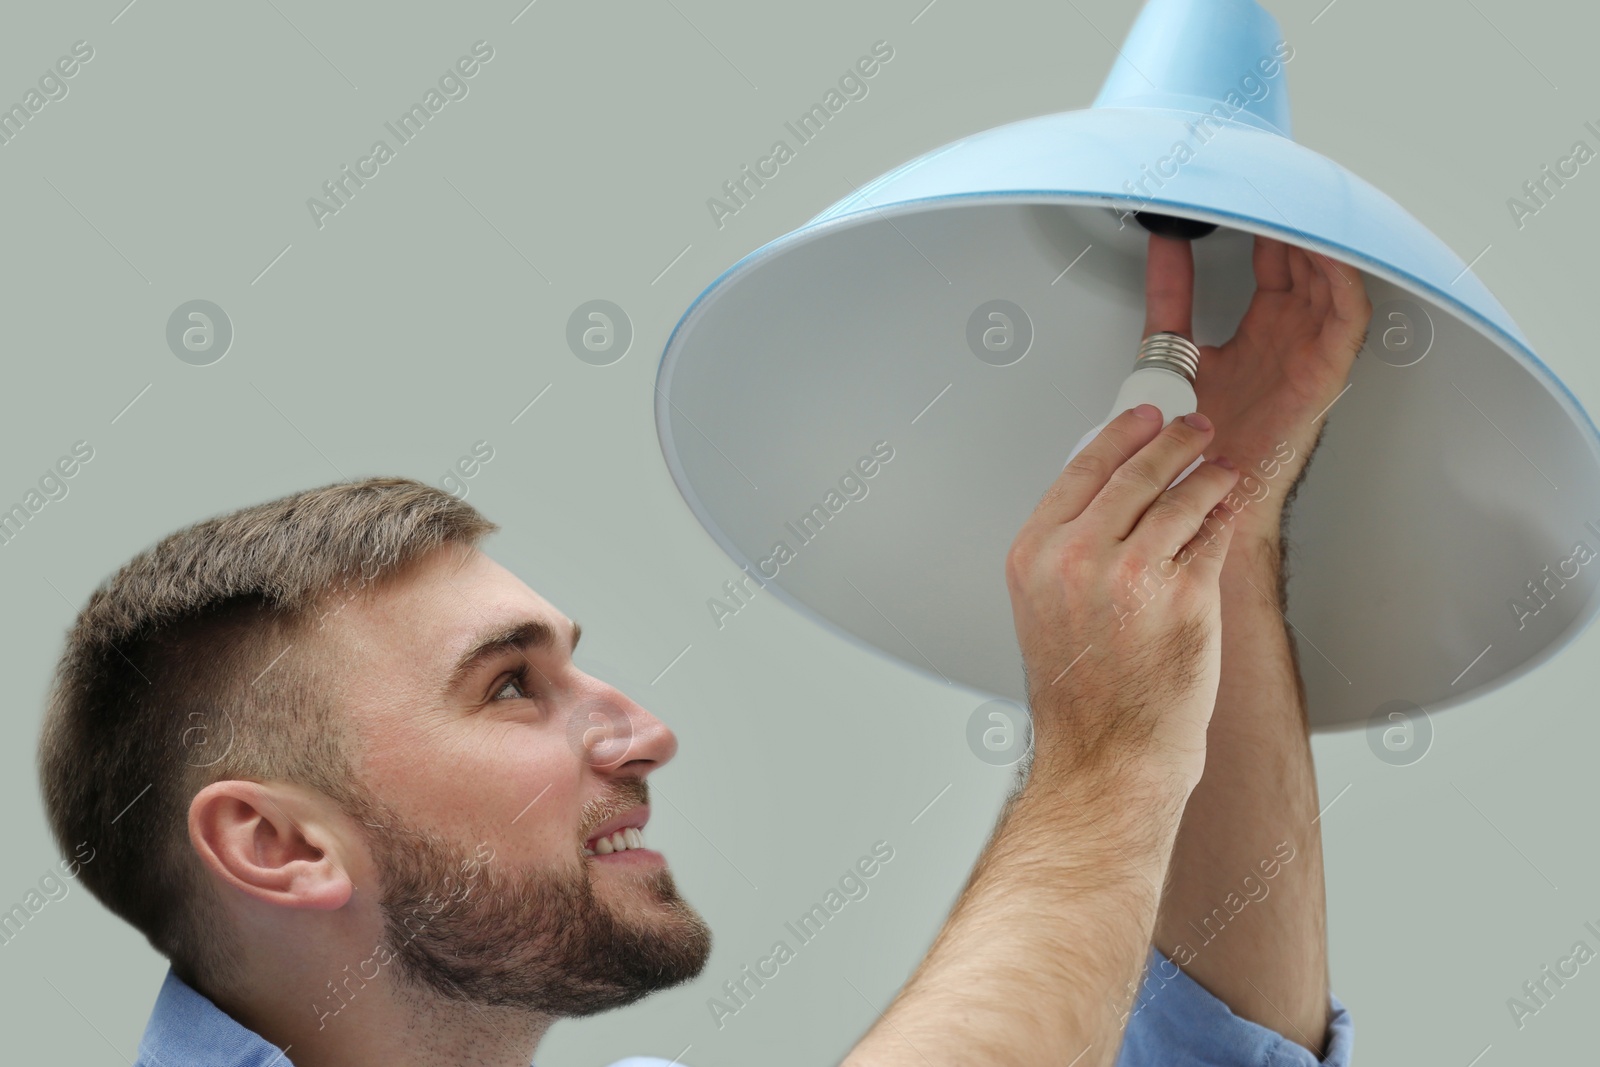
x=1512 y=344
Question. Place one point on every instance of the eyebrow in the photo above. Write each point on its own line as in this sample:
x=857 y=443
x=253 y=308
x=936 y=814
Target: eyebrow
x=515 y=637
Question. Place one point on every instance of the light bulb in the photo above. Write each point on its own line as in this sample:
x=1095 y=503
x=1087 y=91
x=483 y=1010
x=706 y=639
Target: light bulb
x=1163 y=375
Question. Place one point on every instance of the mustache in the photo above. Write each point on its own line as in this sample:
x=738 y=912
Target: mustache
x=629 y=794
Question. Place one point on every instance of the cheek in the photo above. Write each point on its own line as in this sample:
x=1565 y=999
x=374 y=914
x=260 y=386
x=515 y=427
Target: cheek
x=522 y=784
x=513 y=783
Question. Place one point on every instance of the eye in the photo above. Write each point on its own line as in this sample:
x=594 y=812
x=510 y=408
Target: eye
x=516 y=685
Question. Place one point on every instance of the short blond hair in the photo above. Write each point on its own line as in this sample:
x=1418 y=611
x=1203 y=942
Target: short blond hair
x=210 y=637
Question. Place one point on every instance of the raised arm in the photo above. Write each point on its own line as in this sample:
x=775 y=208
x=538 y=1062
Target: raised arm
x=1244 y=912
x=1040 y=956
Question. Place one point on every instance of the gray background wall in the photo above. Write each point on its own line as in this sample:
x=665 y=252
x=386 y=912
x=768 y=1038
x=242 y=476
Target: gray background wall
x=428 y=313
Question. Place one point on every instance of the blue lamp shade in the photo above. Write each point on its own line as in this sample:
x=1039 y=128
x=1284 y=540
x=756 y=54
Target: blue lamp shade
x=957 y=324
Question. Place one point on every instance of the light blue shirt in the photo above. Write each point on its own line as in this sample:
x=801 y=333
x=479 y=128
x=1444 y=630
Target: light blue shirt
x=187 y=1030
x=1176 y=1023
x=1173 y=1023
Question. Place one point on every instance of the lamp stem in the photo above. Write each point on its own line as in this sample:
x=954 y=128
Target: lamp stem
x=1218 y=57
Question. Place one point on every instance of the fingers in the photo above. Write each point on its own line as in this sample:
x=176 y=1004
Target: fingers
x=1318 y=289
x=1136 y=484
x=1271 y=264
x=1172 y=521
x=1169 y=287
x=1300 y=270
x=1091 y=468
x=1348 y=291
x=1338 y=273
x=1342 y=307
x=1335 y=292
x=1206 y=551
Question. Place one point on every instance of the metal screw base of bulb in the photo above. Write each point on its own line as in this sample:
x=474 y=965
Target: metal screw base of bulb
x=1169 y=351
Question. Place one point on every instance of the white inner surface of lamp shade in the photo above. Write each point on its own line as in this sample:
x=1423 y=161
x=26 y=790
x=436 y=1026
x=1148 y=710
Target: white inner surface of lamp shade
x=1440 y=490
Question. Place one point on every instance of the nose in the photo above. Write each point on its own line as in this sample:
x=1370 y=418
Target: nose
x=618 y=736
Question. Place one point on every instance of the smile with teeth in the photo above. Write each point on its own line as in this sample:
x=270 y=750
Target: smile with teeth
x=621 y=841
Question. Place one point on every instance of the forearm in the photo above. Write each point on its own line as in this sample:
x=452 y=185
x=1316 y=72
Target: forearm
x=1041 y=955
x=1256 y=942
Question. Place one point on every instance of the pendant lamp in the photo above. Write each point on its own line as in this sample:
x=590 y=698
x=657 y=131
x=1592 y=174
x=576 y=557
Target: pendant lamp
x=863 y=412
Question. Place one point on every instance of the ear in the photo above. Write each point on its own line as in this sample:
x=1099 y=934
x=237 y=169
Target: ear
x=271 y=841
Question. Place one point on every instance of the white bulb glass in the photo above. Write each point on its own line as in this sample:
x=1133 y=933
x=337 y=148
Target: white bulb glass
x=1168 y=390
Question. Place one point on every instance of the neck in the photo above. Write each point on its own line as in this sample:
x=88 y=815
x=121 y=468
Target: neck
x=364 y=1014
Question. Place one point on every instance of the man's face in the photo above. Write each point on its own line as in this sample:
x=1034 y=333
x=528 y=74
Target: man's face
x=485 y=779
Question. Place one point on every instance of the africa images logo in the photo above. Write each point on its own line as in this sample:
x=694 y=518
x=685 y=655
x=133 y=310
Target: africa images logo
x=852 y=85
x=852 y=486
x=852 y=886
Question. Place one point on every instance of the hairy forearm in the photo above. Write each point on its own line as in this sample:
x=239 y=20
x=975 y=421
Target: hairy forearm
x=1041 y=955
x=1259 y=945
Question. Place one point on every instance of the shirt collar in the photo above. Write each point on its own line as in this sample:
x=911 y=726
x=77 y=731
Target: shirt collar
x=187 y=1030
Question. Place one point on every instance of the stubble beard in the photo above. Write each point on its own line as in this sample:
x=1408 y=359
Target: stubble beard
x=542 y=940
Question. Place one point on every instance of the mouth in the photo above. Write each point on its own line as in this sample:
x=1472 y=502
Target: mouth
x=621 y=837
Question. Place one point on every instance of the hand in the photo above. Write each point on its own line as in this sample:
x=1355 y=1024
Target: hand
x=1269 y=386
x=1116 y=680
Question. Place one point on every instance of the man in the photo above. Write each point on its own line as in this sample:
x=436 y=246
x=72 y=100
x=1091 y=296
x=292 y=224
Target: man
x=339 y=767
